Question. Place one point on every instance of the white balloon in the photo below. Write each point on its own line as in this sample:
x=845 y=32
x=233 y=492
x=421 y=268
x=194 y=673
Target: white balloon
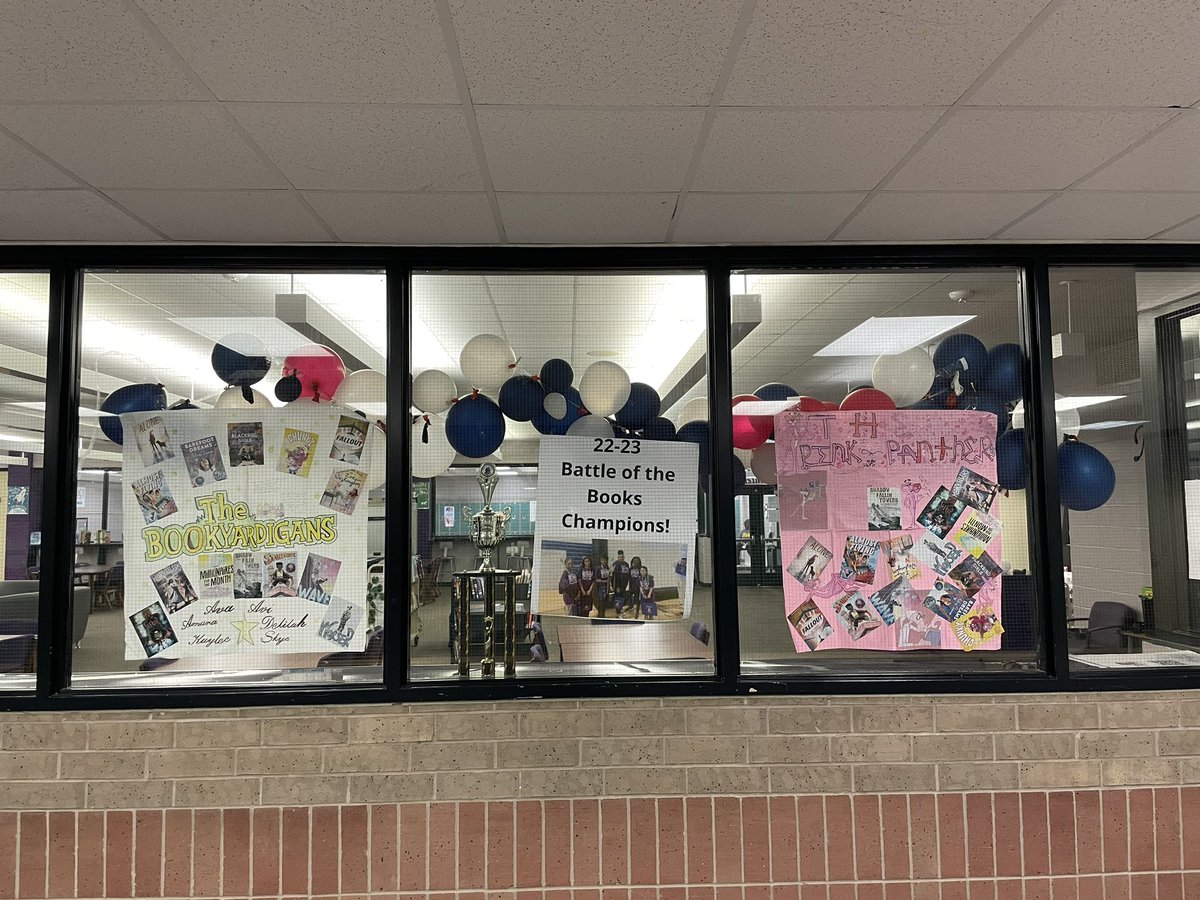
x=433 y=391
x=1066 y=421
x=693 y=411
x=905 y=377
x=555 y=405
x=364 y=390
x=591 y=426
x=604 y=388
x=374 y=457
x=231 y=398
x=431 y=457
x=762 y=464
x=487 y=361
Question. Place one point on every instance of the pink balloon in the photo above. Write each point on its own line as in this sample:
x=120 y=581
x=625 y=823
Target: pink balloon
x=750 y=431
x=867 y=398
x=319 y=369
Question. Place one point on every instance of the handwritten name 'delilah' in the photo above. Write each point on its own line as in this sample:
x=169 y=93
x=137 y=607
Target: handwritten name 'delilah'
x=867 y=448
x=229 y=526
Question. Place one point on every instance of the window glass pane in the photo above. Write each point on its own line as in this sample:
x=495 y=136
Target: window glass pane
x=24 y=310
x=606 y=547
x=231 y=516
x=1127 y=378
x=871 y=538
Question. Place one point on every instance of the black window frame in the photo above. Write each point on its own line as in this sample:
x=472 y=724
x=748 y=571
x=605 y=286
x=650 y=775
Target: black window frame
x=68 y=263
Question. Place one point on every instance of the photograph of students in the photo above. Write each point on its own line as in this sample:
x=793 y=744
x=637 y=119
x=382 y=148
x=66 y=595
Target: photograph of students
x=587 y=587
x=620 y=583
x=635 y=586
x=649 y=605
x=603 y=598
x=681 y=578
x=568 y=586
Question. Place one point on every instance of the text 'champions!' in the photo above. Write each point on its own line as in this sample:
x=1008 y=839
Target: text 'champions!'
x=225 y=525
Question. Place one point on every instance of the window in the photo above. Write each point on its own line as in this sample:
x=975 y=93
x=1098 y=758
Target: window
x=231 y=479
x=569 y=388
x=871 y=538
x=24 y=311
x=1126 y=351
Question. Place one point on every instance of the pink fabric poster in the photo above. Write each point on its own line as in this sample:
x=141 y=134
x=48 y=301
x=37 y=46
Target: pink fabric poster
x=889 y=536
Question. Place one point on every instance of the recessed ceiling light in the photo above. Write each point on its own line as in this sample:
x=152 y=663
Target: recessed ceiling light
x=1064 y=403
x=602 y=354
x=891 y=334
x=1113 y=423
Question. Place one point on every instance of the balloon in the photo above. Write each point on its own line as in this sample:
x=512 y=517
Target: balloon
x=697 y=433
x=364 y=391
x=433 y=391
x=695 y=410
x=739 y=475
x=1066 y=421
x=183 y=404
x=319 y=369
x=374 y=457
x=521 y=398
x=1005 y=373
x=762 y=464
x=555 y=405
x=775 y=391
x=963 y=353
x=432 y=452
x=546 y=422
x=750 y=431
x=659 y=429
x=487 y=361
x=905 y=377
x=986 y=401
x=241 y=360
x=641 y=407
x=831 y=406
x=867 y=398
x=475 y=426
x=1012 y=460
x=131 y=398
x=591 y=426
x=235 y=398
x=604 y=388
x=557 y=375
x=288 y=388
x=1085 y=476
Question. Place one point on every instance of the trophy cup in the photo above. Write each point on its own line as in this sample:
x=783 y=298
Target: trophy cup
x=483 y=584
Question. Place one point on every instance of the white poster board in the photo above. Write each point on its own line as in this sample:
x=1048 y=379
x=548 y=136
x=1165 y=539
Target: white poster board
x=639 y=498
x=1191 y=507
x=246 y=531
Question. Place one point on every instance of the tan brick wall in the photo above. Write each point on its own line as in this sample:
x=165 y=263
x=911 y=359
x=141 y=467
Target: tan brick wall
x=577 y=749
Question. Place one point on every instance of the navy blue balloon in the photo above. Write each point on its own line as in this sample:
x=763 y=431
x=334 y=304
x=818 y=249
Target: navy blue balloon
x=1086 y=478
x=547 y=424
x=238 y=369
x=641 y=408
x=775 y=391
x=521 y=398
x=475 y=426
x=1012 y=460
x=131 y=398
x=659 y=429
x=697 y=433
x=557 y=376
x=1005 y=375
x=986 y=401
x=962 y=353
x=739 y=475
x=183 y=404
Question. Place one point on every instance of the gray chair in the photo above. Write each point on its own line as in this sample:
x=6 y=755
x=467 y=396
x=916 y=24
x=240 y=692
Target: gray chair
x=1103 y=631
x=19 y=609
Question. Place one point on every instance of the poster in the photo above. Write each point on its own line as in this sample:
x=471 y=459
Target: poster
x=617 y=528
x=232 y=554
x=18 y=500
x=886 y=523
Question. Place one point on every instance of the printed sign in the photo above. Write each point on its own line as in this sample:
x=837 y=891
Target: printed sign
x=616 y=528
x=233 y=556
x=878 y=511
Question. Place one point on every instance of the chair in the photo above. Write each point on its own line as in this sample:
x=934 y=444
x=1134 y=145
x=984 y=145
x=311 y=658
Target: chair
x=537 y=654
x=110 y=587
x=1103 y=630
x=700 y=632
x=371 y=656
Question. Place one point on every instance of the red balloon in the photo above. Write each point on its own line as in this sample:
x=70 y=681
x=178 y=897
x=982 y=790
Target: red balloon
x=809 y=404
x=867 y=398
x=750 y=431
x=319 y=369
x=830 y=406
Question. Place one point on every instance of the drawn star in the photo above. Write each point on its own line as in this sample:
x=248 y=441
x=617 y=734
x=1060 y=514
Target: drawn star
x=245 y=630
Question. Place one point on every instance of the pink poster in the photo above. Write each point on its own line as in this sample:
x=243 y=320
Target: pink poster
x=889 y=536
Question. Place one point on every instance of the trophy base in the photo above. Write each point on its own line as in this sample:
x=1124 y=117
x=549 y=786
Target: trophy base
x=481 y=595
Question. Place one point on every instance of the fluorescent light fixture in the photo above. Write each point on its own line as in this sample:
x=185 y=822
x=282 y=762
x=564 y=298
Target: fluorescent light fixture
x=40 y=406
x=1113 y=423
x=763 y=407
x=20 y=438
x=891 y=334
x=1065 y=403
x=13 y=461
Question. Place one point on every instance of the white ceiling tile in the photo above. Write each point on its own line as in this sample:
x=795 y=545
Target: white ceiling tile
x=265 y=216
x=64 y=50
x=182 y=145
x=1101 y=215
x=1165 y=162
x=1188 y=231
x=20 y=167
x=380 y=148
x=829 y=52
x=450 y=218
x=1104 y=53
x=373 y=51
x=586 y=218
x=66 y=216
x=764 y=218
x=588 y=149
x=1021 y=149
x=937 y=216
x=664 y=53
x=807 y=150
